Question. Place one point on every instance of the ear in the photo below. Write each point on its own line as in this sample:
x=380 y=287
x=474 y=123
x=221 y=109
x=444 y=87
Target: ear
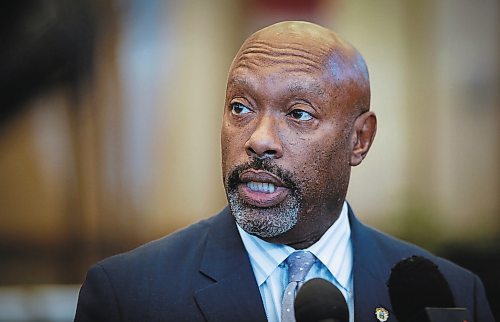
x=363 y=133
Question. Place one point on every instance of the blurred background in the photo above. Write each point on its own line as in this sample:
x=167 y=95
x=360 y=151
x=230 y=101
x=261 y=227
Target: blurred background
x=110 y=117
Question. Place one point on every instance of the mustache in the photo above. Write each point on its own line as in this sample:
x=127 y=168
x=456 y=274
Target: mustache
x=267 y=165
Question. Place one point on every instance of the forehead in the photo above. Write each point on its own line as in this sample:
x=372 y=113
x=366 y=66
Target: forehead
x=271 y=81
x=292 y=51
x=280 y=65
x=289 y=53
x=321 y=61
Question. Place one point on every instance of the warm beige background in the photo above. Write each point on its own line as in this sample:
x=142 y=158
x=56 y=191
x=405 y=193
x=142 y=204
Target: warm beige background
x=139 y=158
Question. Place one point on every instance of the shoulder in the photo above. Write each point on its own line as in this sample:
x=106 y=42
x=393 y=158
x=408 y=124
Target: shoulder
x=152 y=275
x=187 y=243
x=379 y=251
x=371 y=242
x=394 y=250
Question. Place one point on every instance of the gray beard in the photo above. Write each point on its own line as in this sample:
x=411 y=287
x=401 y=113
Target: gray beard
x=265 y=222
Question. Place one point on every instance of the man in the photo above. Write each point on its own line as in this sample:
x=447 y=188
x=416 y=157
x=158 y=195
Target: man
x=296 y=119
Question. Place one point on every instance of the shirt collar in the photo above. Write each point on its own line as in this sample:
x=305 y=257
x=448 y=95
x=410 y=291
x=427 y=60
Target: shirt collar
x=265 y=257
x=331 y=249
x=334 y=249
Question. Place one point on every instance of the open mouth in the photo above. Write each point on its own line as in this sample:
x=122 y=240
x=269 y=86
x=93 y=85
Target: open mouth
x=262 y=189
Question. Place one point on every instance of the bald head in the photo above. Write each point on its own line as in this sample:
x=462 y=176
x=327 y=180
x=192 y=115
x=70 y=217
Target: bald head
x=296 y=120
x=307 y=47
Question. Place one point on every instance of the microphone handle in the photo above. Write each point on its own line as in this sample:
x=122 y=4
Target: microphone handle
x=439 y=314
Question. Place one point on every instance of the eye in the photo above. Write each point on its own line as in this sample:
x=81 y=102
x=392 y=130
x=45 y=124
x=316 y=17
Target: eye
x=301 y=115
x=238 y=109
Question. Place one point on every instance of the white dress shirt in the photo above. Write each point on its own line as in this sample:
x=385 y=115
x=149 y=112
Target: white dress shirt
x=334 y=254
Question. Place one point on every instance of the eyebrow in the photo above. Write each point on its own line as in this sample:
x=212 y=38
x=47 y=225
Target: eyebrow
x=299 y=87
x=294 y=87
x=237 y=80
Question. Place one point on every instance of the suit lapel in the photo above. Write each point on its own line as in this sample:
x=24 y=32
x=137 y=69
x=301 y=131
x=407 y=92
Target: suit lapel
x=370 y=273
x=234 y=295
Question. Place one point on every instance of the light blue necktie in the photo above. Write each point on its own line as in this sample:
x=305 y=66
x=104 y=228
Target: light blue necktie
x=299 y=263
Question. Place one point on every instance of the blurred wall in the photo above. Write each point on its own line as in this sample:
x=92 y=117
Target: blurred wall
x=432 y=174
x=135 y=155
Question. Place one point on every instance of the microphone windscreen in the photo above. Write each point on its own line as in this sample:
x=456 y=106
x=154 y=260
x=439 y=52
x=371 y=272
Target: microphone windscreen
x=319 y=300
x=416 y=283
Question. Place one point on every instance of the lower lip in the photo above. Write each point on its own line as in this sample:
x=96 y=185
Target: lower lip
x=262 y=199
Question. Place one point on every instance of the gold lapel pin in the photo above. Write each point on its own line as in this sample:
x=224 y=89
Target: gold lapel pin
x=381 y=314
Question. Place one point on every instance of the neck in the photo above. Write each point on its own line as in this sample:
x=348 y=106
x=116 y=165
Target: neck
x=306 y=232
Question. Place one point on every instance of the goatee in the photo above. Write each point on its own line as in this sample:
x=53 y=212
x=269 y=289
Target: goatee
x=264 y=222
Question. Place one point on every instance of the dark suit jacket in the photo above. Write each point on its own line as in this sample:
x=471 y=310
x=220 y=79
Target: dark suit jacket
x=203 y=273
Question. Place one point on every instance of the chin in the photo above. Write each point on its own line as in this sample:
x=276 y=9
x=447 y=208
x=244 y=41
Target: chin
x=265 y=222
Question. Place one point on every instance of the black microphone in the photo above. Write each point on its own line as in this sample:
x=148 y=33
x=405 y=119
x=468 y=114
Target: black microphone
x=419 y=292
x=320 y=301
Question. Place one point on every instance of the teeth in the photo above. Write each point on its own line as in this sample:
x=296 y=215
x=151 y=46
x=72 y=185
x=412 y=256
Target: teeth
x=261 y=187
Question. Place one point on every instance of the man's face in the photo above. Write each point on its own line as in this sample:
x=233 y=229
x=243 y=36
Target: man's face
x=285 y=146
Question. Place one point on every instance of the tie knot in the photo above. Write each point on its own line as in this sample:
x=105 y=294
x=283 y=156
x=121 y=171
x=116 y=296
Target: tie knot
x=299 y=263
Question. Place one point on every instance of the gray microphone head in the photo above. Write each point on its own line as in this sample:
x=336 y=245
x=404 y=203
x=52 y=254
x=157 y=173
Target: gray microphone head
x=320 y=300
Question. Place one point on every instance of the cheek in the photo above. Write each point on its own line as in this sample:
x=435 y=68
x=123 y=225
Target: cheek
x=225 y=142
x=232 y=146
x=322 y=167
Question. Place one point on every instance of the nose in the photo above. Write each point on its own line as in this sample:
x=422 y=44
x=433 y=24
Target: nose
x=265 y=141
